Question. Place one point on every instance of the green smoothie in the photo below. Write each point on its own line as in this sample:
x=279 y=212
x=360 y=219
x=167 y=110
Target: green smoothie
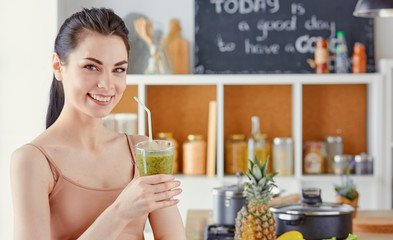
x=155 y=163
x=155 y=157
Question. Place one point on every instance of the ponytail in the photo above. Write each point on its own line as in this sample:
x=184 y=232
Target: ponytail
x=56 y=102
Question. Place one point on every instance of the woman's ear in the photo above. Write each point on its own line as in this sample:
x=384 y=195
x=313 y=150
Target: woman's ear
x=56 y=66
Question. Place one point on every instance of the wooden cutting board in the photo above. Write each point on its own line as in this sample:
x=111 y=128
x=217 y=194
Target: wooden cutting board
x=373 y=224
x=178 y=49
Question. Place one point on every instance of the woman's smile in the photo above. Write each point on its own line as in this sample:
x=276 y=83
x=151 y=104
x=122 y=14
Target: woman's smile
x=100 y=99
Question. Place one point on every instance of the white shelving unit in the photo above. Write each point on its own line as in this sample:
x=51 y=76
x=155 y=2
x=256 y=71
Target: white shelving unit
x=373 y=186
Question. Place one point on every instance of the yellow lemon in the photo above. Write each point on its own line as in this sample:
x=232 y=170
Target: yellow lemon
x=291 y=235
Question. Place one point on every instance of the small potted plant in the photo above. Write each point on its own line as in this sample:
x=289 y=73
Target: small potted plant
x=346 y=192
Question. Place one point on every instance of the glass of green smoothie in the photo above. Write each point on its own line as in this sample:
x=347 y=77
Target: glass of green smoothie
x=155 y=157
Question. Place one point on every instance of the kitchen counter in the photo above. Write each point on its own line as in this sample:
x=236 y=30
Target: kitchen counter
x=197 y=220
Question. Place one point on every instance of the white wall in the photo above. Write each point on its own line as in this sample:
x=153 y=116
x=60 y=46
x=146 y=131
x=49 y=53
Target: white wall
x=28 y=29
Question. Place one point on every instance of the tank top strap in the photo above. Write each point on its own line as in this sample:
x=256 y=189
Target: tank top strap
x=55 y=170
x=133 y=155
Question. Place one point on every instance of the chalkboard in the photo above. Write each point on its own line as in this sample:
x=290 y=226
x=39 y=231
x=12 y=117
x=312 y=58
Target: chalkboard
x=273 y=36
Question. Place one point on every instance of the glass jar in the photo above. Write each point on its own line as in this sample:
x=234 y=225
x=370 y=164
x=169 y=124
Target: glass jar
x=236 y=154
x=283 y=156
x=194 y=155
x=363 y=164
x=169 y=137
x=342 y=163
x=159 y=61
x=334 y=146
x=313 y=157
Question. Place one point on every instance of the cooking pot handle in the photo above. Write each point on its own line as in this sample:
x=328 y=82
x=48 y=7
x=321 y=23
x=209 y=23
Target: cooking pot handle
x=291 y=219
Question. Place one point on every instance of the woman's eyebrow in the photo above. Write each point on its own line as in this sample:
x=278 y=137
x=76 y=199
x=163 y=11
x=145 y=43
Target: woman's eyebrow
x=121 y=63
x=99 y=62
x=94 y=60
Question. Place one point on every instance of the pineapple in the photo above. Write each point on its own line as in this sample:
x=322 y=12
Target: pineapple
x=254 y=220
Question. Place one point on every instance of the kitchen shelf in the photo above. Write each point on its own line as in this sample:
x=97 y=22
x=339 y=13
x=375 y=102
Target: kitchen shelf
x=247 y=79
x=335 y=178
x=311 y=178
x=297 y=83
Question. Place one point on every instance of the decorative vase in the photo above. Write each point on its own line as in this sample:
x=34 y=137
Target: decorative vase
x=353 y=203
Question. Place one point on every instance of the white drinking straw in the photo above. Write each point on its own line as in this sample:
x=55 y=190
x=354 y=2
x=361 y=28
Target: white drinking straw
x=148 y=116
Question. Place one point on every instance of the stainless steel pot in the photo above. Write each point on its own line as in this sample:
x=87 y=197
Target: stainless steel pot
x=227 y=201
x=313 y=218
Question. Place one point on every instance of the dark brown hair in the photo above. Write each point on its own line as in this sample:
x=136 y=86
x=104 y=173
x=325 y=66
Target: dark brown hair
x=100 y=20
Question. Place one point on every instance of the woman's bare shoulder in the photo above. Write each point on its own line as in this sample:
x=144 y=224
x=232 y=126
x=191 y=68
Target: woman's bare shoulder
x=28 y=160
x=27 y=153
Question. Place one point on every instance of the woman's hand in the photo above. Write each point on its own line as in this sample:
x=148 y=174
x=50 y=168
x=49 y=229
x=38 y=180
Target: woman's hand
x=146 y=194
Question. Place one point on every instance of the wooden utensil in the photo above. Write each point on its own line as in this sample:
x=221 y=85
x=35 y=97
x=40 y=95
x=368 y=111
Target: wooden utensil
x=212 y=139
x=174 y=32
x=145 y=30
x=178 y=49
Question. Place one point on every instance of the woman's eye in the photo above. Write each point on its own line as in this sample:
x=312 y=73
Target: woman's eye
x=91 y=67
x=119 y=70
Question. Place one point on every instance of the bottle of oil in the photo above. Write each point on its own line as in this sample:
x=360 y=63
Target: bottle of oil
x=256 y=142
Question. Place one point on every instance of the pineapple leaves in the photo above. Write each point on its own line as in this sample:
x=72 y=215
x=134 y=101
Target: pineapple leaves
x=264 y=166
x=257 y=172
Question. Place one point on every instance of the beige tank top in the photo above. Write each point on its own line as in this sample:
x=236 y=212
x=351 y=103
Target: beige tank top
x=74 y=207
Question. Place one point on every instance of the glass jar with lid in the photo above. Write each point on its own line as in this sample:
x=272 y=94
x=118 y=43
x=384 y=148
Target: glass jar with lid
x=342 y=163
x=236 y=154
x=364 y=164
x=334 y=146
x=313 y=157
x=194 y=155
x=283 y=156
x=169 y=137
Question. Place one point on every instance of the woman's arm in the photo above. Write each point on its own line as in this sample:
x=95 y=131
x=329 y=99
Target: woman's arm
x=31 y=182
x=141 y=196
x=167 y=224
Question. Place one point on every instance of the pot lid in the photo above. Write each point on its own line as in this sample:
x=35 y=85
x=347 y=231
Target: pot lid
x=229 y=191
x=312 y=205
x=319 y=209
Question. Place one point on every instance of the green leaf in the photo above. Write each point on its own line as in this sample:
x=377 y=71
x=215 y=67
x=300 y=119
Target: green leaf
x=249 y=175
x=262 y=181
x=352 y=237
x=256 y=172
x=250 y=165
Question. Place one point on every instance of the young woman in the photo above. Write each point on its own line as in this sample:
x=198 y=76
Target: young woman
x=79 y=180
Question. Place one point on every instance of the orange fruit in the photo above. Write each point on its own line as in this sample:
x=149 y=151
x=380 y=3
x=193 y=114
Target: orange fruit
x=291 y=235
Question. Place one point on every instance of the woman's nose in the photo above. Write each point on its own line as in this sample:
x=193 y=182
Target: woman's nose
x=105 y=81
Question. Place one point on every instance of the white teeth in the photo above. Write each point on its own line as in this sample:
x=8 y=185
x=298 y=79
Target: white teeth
x=101 y=99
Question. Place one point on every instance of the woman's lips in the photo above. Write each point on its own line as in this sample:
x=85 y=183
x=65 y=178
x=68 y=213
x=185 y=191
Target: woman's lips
x=100 y=99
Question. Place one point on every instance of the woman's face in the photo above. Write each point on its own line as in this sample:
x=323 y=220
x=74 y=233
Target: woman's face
x=94 y=77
